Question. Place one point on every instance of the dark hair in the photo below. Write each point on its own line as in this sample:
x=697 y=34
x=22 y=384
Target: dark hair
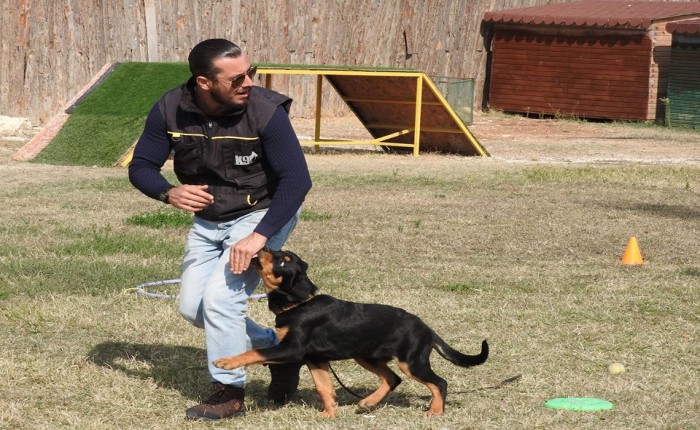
x=204 y=53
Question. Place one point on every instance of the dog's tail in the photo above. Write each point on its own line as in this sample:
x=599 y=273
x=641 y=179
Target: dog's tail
x=455 y=357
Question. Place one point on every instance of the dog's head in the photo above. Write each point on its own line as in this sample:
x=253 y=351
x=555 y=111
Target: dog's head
x=283 y=275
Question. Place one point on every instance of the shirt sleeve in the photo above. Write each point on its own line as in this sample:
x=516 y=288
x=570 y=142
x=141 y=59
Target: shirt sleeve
x=150 y=154
x=285 y=157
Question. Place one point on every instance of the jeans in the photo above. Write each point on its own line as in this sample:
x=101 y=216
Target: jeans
x=213 y=298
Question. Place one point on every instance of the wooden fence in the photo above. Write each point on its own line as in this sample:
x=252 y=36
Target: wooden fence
x=52 y=48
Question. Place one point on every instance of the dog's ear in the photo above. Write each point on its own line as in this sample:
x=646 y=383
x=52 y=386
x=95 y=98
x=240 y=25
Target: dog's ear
x=297 y=260
x=304 y=288
x=297 y=283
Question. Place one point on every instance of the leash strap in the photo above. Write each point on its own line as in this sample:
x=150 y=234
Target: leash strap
x=343 y=385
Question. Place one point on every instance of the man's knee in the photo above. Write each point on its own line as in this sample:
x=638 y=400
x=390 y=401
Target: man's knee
x=192 y=314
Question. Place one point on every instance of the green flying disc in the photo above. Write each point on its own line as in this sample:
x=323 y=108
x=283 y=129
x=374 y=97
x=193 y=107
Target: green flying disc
x=579 y=404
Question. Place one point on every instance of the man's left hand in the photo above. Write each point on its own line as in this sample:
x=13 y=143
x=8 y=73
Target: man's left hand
x=244 y=250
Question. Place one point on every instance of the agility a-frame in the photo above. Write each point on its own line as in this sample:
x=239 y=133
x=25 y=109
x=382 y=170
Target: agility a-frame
x=403 y=110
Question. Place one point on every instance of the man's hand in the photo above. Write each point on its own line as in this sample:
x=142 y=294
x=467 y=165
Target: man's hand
x=244 y=250
x=191 y=198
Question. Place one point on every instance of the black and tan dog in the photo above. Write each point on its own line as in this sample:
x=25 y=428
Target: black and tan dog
x=317 y=329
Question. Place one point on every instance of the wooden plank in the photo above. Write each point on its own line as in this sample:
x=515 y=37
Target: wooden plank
x=622 y=58
x=554 y=102
x=578 y=80
x=545 y=71
x=569 y=47
x=553 y=94
x=629 y=114
x=565 y=99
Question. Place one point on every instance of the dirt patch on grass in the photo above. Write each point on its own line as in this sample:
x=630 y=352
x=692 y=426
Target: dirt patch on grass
x=518 y=139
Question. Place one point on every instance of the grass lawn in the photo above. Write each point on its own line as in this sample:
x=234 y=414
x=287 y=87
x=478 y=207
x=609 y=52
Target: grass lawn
x=524 y=255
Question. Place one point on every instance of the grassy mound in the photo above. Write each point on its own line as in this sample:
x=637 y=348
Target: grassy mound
x=111 y=117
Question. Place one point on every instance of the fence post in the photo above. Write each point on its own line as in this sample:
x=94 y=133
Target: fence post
x=419 y=105
x=151 y=31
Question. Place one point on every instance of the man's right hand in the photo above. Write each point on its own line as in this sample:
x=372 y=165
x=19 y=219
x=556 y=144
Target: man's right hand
x=191 y=198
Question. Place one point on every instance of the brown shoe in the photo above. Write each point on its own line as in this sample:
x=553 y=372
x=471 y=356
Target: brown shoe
x=225 y=402
x=284 y=382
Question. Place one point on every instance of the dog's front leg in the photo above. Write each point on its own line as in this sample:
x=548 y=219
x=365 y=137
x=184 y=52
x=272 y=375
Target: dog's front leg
x=284 y=352
x=249 y=357
x=324 y=387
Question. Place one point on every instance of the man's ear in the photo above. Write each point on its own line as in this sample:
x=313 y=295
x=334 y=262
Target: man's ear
x=203 y=83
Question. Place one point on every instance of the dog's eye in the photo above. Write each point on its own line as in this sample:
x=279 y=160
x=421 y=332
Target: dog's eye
x=281 y=263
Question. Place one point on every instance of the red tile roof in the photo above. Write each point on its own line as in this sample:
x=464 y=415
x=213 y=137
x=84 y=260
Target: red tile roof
x=691 y=26
x=598 y=13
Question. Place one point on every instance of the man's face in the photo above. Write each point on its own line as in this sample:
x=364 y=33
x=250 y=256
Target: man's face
x=231 y=86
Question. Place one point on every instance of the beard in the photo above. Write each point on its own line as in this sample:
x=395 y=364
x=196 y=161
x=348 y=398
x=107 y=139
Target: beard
x=226 y=104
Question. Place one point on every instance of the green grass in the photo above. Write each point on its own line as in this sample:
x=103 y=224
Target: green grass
x=307 y=215
x=111 y=117
x=168 y=217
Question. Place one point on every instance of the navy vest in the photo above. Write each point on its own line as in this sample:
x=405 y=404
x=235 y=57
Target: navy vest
x=223 y=152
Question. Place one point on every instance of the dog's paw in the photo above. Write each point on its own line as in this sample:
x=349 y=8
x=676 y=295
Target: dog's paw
x=430 y=411
x=330 y=414
x=365 y=406
x=225 y=363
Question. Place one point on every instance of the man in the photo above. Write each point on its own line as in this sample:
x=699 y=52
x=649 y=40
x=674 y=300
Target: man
x=244 y=176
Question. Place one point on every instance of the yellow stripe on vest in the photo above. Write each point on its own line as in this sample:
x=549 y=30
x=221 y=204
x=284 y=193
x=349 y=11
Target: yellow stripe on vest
x=175 y=135
x=234 y=137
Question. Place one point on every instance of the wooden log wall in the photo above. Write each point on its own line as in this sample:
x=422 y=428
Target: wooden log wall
x=52 y=48
x=571 y=72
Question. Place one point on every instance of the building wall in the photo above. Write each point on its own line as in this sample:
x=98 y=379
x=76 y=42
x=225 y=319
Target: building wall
x=571 y=72
x=660 y=66
x=684 y=81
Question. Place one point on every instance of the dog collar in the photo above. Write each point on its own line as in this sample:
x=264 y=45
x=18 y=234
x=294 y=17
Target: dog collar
x=292 y=305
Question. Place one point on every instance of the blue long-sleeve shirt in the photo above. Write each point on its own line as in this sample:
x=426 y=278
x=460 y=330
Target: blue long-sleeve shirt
x=282 y=152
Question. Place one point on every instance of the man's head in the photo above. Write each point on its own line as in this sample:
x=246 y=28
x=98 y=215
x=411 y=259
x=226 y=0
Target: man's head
x=222 y=73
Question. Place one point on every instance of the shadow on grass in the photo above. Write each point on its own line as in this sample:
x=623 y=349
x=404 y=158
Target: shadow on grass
x=670 y=211
x=175 y=367
x=182 y=368
x=681 y=212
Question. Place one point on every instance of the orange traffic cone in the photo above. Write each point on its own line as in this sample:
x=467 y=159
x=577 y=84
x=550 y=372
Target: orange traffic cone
x=632 y=256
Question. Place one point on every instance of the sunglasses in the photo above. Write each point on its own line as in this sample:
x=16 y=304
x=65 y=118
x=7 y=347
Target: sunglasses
x=238 y=80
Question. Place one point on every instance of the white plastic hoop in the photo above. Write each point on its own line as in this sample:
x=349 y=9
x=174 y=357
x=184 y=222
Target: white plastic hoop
x=141 y=289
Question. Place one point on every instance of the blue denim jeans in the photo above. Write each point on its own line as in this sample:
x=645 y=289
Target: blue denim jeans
x=213 y=298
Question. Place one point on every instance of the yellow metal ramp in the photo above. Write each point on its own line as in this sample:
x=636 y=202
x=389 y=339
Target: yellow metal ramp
x=402 y=110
